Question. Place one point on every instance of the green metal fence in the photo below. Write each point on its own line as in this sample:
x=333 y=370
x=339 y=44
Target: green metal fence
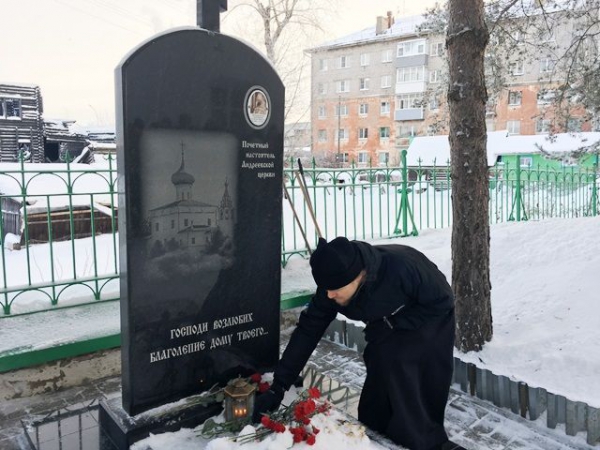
x=68 y=237
x=67 y=252
x=380 y=202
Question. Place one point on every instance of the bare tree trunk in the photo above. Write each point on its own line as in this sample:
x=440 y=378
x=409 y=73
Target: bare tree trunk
x=466 y=41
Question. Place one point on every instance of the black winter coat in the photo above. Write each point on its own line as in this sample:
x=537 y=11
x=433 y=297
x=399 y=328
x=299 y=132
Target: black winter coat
x=399 y=279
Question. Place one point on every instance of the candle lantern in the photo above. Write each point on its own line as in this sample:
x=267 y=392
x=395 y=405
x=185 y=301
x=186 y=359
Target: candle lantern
x=239 y=399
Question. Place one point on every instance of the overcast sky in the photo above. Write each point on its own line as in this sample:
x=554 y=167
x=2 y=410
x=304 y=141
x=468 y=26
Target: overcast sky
x=70 y=48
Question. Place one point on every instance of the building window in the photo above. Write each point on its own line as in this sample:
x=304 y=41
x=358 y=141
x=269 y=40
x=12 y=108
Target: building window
x=546 y=96
x=437 y=49
x=434 y=103
x=342 y=157
x=384 y=157
x=409 y=101
x=363 y=157
x=364 y=84
x=193 y=241
x=10 y=108
x=344 y=63
x=209 y=222
x=546 y=65
x=513 y=126
x=172 y=224
x=322 y=65
x=363 y=133
x=364 y=59
x=526 y=161
x=322 y=112
x=514 y=98
x=434 y=76
x=363 y=109
x=384 y=108
x=386 y=56
x=542 y=126
x=186 y=222
x=155 y=226
x=410 y=74
x=341 y=110
x=384 y=132
x=321 y=88
x=322 y=135
x=411 y=48
x=574 y=125
x=517 y=68
x=406 y=131
x=386 y=81
x=343 y=86
x=343 y=134
x=518 y=37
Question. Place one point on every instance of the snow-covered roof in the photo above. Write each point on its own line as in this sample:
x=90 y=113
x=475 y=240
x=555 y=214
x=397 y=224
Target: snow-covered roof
x=403 y=26
x=25 y=85
x=436 y=149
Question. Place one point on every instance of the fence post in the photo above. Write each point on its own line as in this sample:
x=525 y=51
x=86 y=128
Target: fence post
x=405 y=210
x=518 y=200
x=595 y=188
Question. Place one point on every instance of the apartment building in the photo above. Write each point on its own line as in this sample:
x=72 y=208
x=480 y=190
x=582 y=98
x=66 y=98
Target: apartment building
x=375 y=89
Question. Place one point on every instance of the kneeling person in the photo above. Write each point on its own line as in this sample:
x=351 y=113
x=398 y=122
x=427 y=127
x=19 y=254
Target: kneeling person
x=408 y=308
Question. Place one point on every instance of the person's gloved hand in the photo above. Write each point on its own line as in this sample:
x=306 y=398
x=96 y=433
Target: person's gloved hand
x=267 y=401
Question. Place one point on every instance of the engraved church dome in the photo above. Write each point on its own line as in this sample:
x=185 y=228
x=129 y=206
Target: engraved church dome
x=181 y=176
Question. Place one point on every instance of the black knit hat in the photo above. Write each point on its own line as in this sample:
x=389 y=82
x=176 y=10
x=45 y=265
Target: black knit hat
x=335 y=264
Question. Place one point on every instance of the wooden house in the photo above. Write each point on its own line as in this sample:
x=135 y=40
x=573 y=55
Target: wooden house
x=11 y=216
x=21 y=125
x=60 y=142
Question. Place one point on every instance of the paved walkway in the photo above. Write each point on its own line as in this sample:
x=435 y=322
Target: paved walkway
x=473 y=423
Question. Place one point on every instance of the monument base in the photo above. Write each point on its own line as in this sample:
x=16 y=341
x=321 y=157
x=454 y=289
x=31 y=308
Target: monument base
x=124 y=430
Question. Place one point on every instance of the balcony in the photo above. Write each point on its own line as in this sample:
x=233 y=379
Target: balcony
x=408 y=114
x=408 y=87
x=411 y=61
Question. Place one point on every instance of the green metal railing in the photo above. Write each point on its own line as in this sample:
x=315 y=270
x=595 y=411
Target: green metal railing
x=382 y=202
x=63 y=255
x=69 y=233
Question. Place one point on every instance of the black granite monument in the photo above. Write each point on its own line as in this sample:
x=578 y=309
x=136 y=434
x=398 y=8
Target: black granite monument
x=200 y=161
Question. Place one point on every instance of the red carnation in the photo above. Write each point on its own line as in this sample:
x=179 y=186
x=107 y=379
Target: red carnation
x=266 y=421
x=311 y=439
x=255 y=377
x=314 y=392
x=263 y=387
x=315 y=430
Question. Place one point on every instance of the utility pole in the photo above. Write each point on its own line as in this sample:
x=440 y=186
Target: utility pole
x=207 y=14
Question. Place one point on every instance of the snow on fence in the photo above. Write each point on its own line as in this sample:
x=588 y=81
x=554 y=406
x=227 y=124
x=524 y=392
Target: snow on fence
x=67 y=249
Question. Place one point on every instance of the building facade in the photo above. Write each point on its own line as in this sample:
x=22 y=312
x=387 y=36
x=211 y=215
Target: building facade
x=21 y=124
x=374 y=90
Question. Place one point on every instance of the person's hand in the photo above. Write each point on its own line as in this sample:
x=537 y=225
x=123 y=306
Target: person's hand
x=267 y=401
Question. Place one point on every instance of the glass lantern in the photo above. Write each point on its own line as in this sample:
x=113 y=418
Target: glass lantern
x=239 y=399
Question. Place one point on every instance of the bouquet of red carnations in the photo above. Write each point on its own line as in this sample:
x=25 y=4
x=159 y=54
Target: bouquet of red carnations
x=294 y=418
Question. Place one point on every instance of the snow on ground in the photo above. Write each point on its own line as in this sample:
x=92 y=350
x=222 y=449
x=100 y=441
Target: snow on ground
x=336 y=431
x=545 y=301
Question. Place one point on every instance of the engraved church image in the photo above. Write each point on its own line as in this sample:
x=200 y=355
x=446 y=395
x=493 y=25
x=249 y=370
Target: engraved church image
x=186 y=222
